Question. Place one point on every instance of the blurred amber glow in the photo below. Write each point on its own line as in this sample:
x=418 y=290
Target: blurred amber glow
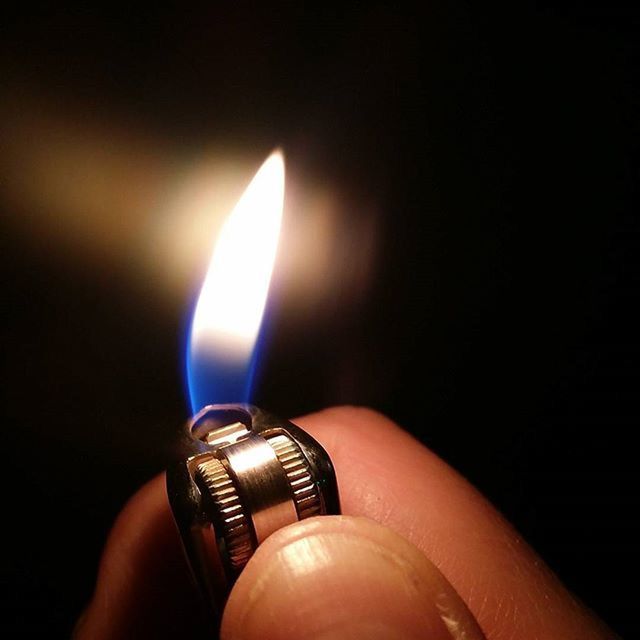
x=109 y=197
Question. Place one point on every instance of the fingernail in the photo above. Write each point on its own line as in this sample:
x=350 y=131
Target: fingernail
x=341 y=577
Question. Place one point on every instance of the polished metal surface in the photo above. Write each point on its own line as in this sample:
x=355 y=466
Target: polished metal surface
x=242 y=475
x=262 y=482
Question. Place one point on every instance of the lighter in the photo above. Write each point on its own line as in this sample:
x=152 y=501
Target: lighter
x=242 y=474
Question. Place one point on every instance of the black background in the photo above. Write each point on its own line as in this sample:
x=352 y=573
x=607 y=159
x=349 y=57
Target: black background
x=499 y=143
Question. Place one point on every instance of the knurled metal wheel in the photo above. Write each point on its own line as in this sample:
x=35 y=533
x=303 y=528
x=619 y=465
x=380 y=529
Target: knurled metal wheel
x=235 y=525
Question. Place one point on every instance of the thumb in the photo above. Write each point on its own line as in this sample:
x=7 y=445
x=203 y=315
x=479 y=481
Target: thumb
x=344 y=577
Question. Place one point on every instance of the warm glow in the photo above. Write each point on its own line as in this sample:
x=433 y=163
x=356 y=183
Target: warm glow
x=229 y=310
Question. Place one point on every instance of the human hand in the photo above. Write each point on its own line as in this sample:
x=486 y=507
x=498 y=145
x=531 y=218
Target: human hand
x=348 y=576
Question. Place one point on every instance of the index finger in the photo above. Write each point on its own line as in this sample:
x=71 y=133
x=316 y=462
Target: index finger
x=387 y=475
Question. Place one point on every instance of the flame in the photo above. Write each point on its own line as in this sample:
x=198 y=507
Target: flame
x=228 y=314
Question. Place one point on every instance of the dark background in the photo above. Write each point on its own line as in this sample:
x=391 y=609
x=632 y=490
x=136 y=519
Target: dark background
x=497 y=147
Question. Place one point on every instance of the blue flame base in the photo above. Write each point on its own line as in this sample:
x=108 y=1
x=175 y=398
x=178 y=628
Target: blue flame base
x=211 y=381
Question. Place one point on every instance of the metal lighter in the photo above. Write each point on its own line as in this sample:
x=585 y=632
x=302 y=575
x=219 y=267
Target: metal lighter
x=242 y=474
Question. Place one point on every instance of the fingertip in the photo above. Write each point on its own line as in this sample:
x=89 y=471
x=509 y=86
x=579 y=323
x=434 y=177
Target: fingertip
x=337 y=577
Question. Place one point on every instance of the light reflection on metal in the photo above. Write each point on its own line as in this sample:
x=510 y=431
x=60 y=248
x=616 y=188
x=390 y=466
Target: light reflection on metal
x=228 y=314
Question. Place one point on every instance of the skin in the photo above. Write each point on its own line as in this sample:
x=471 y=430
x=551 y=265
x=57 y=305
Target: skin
x=419 y=553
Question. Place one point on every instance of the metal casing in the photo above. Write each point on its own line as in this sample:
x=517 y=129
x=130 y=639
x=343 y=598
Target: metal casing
x=203 y=534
